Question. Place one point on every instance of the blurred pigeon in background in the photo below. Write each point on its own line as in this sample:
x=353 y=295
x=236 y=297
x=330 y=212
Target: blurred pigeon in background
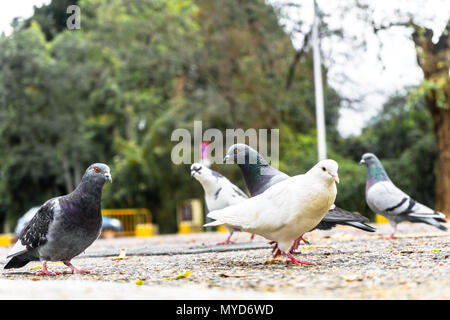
x=259 y=176
x=287 y=209
x=65 y=226
x=219 y=191
x=383 y=197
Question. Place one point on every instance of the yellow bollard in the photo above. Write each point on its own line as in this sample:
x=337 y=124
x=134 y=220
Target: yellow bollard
x=221 y=229
x=184 y=228
x=5 y=240
x=144 y=230
x=380 y=219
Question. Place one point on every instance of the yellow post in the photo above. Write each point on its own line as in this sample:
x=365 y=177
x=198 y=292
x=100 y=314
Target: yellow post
x=5 y=240
x=221 y=229
x=380 y=219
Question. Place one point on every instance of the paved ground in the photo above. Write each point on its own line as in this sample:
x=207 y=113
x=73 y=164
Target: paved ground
x=350 y=264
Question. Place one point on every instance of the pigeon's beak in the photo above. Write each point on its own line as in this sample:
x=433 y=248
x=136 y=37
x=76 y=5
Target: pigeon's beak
x=108 y=177
x=362 y=162
x=227 y=157
x=334 y=176
x=195 y=170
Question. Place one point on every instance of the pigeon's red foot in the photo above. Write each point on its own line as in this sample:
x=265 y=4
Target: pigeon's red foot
x=297 y=242
x=48 y=273
x=73 y=269
x=228 y=241
x=275 y=247
x=391 y=236
x=278 y=252
x=45 y=271
x=297 y=262
x=252 y=237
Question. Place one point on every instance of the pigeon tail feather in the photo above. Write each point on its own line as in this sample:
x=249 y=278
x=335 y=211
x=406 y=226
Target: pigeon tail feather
x=16 y=262
x=213 y=223
x=360 y=225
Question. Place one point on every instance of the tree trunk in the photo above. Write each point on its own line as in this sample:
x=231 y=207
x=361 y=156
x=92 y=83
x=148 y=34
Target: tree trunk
x=441 y=120
x=434 y=60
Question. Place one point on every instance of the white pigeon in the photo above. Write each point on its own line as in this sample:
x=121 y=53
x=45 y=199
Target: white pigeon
x=219 y=192
x=287 y=209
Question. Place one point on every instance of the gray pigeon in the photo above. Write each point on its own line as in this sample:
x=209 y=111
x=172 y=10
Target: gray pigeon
x=383 y=197
x=259 y=176
x=219 y=191
x=64 y=226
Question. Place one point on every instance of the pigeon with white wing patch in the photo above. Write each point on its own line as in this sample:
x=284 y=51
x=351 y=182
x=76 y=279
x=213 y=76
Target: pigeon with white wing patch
x=287 y=209
x=219 y=191
x=383 y=197
x=64 y=226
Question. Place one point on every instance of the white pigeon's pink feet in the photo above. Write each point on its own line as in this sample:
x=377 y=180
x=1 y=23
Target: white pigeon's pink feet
x=228 y=241
x=297 y=262
x=275 y=251
x=74 y=269
x=252 y=237
x=45 y=271
x=391 y=236
x=297 y=242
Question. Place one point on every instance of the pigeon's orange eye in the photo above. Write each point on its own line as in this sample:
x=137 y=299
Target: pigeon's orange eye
x=235 y=151
x=97 y=170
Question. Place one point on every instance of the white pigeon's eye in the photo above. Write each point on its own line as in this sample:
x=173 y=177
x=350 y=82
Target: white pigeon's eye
x=324 y=169
x=235 y=151
x=97 y=170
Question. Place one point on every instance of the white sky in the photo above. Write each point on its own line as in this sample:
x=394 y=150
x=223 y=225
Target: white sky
x=365 y=74
x=9 y=9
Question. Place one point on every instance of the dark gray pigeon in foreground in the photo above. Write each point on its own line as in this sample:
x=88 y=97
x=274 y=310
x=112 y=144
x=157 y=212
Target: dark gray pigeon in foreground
x=259 y=176
x=219 y=192
x=64 y=226
x=383 y=197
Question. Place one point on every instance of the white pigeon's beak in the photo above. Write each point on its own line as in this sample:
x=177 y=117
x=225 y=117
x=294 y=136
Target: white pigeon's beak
x=362 y=162
x=108 y=177
x=227 y=157
x=334 y=176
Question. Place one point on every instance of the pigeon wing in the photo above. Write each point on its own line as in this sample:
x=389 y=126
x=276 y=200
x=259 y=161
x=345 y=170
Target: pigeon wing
x=35 y=233
x=384 y=197
x=337 y=215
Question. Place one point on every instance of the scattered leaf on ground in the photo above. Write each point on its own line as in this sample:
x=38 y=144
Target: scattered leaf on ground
x=351 y=277
x=315 y=247
x=40 y=266
x=232 y=275
x=121 y=256
x=273 y=261
x=180 y=276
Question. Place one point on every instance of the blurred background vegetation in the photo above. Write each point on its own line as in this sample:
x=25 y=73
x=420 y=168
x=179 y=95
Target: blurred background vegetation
x=115 y=90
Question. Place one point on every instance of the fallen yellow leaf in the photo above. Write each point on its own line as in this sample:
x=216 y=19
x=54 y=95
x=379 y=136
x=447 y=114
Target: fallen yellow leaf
x=121 y=256
x=273 y=261
x=139 y=282
x=315 y=247
x=40 y=266
x=180 y=276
